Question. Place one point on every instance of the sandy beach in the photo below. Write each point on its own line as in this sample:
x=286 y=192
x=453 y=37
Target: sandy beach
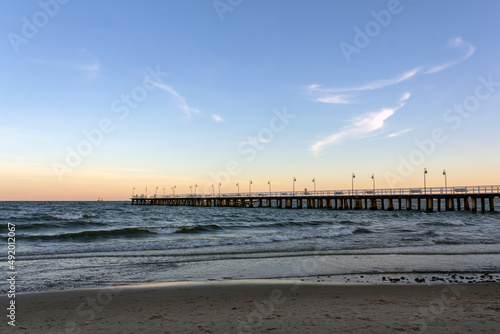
x=262 y=306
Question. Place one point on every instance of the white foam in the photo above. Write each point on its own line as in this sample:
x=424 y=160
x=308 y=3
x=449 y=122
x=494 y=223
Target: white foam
x=68 y=216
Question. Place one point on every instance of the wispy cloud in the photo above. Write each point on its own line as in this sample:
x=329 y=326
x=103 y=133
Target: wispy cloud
x=359 y=127
x=371 y=85
x=181 y=101
x=334 y=98
x=399 y=133
x=457 y=43
x=339 y=95
x=217 y=118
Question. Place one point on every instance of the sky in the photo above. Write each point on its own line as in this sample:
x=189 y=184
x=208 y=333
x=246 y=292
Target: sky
x=108 y=98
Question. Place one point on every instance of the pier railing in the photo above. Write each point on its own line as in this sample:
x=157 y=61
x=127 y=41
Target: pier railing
x=491 y=189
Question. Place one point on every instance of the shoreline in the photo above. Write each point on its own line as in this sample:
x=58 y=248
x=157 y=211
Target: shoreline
x=254 y=306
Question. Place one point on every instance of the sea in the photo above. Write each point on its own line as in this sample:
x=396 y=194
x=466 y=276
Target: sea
x=68 y=245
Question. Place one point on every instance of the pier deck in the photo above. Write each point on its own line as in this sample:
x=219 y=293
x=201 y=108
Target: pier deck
x=474 y=199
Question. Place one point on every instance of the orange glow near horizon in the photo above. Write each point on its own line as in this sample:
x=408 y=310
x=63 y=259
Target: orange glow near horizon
x=118 y=186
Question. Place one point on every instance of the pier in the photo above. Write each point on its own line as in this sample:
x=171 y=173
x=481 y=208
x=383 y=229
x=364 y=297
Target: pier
x=468 y=198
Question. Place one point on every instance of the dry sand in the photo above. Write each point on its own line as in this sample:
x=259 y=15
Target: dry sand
x=261 y=307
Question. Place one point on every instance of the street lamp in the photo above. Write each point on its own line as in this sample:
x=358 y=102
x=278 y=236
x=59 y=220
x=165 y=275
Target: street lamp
x=238 y=185
x=425 y=185
x=195 y=189
x=373 y=178
x=163 y=191
x=445 y=181
x=294 y=179
x=146 y=192
x=133 y=189
x=156 y=191
x=314 y=181
x=173 y=190
x=269 y=183
x=352 y=182
x=213 y=190
x=250 y=187
x=219 y=188
x=191 y=187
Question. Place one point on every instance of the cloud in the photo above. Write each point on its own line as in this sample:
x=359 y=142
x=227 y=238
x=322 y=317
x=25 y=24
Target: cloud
x=359 y=127
x=458 y=43
x=181 y=101
x=217 y=118
x=371 y=85
x=335 y=99
x=338 y=94
x=395 y=134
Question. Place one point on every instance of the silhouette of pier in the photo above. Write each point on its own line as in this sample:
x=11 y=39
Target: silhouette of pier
x=469 y=198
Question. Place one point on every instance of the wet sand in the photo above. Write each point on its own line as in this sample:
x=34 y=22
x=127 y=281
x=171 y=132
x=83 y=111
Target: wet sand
x=261 y=306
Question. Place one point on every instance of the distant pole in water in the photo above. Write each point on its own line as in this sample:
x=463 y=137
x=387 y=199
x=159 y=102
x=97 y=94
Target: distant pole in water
x=445 y=181
x=314 y=182
x=425 y=185
x=293 y=185
x=373 y=178
x=352 y=182
x=269 y=183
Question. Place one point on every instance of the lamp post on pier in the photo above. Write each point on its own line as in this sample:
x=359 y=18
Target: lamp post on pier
x=133 y=189
x=238 y=185
x=352 y=183
x=219 y=188
x=445 y=181
x=250 y=187
x=195 y=189
x=213 y=191
x=191 y=187
x=269 y=183
x=146 y=192
x=156 y=191
x=425 y=185
x=293 y=187
x=314 y=182
x=164 y=192
x=173 y=191
x=373 y=178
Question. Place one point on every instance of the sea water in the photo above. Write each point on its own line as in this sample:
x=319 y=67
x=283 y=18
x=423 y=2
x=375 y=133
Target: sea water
x=64 y=245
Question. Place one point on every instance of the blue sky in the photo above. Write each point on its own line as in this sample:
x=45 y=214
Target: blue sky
x=100 y=97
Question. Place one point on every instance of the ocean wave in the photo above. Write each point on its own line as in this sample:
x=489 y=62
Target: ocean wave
x=179 y=244
x=129 y=232
x=361 y=230
x=49 y=217
x=444 y=223
x=296 y=223
x=67 y=224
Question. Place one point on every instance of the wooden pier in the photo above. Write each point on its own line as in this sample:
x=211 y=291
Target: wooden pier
x=474 y=199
